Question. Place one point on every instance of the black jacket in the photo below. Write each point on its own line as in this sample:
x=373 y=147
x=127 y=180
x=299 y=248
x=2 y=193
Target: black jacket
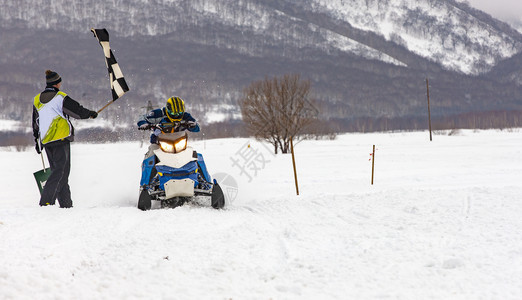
x=71 y=108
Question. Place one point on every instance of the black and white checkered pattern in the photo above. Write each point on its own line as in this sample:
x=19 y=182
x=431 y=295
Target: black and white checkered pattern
x=118 y=84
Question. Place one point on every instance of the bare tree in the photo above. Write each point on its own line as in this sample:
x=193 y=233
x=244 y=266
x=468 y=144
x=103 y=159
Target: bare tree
x=278 y=109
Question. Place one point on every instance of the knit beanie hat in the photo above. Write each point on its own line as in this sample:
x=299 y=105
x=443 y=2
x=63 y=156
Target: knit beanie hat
x=52 y=78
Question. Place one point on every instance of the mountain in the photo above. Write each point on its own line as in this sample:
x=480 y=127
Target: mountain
x=365 y=58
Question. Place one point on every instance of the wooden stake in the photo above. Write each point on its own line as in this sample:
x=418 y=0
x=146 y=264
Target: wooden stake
x=295 y=170
x=429 y=112
x=373 y=162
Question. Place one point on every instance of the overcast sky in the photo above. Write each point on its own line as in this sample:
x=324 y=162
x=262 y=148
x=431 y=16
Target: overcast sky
x=506 y=10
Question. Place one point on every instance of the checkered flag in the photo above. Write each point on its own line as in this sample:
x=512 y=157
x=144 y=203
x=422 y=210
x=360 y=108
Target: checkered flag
x=118 y=84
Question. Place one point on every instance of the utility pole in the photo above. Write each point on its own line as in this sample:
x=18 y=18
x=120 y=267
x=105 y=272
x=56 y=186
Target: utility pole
x=149 y=106
x=429 y=111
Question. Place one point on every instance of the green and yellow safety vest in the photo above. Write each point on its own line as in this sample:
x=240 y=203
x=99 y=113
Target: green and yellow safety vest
x=54 y=125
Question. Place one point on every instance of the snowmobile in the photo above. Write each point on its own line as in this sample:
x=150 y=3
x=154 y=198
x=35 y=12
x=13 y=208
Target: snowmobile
x=174 y=173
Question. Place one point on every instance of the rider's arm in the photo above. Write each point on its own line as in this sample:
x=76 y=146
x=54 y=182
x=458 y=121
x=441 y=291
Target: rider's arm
x=152 y=117
x=188 y=118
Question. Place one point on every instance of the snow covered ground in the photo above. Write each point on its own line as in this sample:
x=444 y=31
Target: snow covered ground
x=442 y=221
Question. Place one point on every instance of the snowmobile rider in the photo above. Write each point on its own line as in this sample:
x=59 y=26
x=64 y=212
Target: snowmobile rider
x=53 y=131
x=173 y=112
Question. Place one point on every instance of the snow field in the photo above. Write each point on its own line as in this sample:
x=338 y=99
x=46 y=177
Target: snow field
x=442 y=221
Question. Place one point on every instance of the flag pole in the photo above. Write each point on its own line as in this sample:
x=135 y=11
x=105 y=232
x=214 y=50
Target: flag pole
x=106 y=105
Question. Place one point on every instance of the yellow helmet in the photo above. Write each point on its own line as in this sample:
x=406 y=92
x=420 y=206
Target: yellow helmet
x=175 y=108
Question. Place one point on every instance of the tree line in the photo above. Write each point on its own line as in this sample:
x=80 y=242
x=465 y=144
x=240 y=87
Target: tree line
x=275 y=110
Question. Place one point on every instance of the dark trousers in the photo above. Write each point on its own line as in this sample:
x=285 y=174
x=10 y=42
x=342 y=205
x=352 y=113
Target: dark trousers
x=57 y=185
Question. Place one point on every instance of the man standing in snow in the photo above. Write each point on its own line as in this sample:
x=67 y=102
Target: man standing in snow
x=53 y=131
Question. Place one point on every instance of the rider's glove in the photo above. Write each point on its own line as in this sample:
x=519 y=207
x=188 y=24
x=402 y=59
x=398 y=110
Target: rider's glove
x=191 y=124
x=93 y=114
x=144 y=126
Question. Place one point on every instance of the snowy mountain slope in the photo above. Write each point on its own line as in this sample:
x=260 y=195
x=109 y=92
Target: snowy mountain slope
x=517 y=24
x=446 y=32
x=436 y=224
x=247 y=16
x=509 y=70
x=365 y=59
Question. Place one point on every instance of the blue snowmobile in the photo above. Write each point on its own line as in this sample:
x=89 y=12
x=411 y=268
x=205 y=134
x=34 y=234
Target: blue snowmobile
x=174 y=173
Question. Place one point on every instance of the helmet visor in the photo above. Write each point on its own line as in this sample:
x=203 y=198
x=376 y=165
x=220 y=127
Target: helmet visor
x=173 y=113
